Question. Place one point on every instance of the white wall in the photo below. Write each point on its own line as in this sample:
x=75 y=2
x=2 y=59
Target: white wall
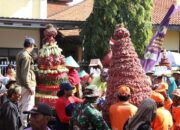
x=172 y=40
x=23 y=8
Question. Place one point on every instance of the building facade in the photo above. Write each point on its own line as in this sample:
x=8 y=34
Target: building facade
x=23 y=18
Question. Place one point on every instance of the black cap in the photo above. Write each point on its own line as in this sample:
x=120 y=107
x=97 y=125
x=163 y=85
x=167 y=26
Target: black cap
x=29 y=41
x=11 y=81
x=42 y=108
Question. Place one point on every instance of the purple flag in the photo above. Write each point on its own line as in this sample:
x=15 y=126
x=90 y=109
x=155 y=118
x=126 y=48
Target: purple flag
x=153 y=50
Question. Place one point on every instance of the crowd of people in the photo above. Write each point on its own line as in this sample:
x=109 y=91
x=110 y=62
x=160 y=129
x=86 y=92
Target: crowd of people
x=81 y=98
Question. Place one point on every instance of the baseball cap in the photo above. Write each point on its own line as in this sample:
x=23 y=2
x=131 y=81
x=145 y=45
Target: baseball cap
x=157 y=97
x=29 y=41
x=176 y=92
x=42 y=108
x=162 y=87
x=66 y=86
x=124 y=90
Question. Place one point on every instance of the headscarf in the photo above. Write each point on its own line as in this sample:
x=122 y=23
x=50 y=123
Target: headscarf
x=144 y=114
x=172 y=87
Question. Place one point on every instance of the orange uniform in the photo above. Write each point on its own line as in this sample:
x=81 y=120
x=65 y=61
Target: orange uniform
x=176 y=117
x=163 y=120
x=119 y=113
x=167 y=103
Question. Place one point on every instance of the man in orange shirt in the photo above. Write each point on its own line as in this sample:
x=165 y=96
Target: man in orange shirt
x=176 y=109
x=162 y=89
x=120 y=112
x=163 y=119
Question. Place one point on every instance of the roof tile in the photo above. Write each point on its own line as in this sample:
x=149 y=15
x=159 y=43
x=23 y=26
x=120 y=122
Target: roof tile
x=79 y=12
x=160 y=9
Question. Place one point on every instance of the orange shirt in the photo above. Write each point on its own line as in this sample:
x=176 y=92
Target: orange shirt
x=119 y=113
x=176 y=117
x=167 y=103
x=163 y=120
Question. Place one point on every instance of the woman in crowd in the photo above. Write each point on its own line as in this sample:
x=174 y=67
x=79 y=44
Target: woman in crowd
x=73 y=76
x=9 y=114
x=10 y=74
x=144 y=116
x=65 y=105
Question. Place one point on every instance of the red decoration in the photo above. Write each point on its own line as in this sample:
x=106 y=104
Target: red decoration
x=51 y=69
x=107 y=59
x=48 y=88
x=51 y=102
x=125 y=69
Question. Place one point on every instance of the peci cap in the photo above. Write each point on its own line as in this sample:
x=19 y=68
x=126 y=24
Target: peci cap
x=124 y=90
x=29 y=41
x=42 y=108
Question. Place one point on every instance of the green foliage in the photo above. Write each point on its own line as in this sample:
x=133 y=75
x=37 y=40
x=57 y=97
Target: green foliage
x=97 y=30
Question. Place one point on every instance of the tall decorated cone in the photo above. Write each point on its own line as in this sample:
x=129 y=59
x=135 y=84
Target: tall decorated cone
x=125 y=69
x=51 y=69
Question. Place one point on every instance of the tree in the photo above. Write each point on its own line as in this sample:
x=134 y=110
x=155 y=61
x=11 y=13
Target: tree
x=96 y=32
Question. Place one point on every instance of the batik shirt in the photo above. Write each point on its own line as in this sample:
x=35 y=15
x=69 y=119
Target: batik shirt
x=86 y=117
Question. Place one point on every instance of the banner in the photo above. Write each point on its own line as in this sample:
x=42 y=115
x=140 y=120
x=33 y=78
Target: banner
x=153 y=50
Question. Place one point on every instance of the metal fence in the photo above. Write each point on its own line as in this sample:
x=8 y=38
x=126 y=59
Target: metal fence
x=4 y=64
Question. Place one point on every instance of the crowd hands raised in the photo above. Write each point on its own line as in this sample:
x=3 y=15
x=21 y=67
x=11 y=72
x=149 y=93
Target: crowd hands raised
x=81 y=99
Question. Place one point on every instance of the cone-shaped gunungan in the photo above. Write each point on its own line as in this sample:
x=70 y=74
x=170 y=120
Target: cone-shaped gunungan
x=125 y=69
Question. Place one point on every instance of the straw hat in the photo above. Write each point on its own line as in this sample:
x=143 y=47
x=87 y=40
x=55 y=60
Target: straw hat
x=176 y=72
x=176 y=92
x=82 y=73
x=71 y=62
x=95 y=62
